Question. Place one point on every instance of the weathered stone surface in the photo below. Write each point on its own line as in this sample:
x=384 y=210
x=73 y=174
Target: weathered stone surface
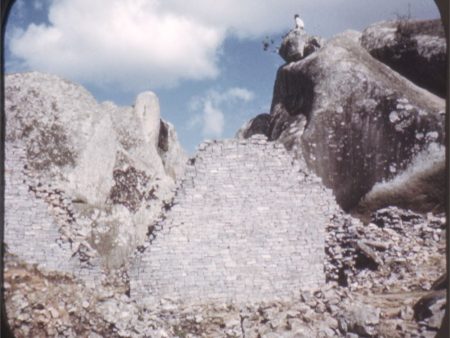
x=34 y=216
x=83 y=180
x=402 y=245
x=297 y=45
x=245 y=225
x=163 y=139
x=257 y=125
x=416 y=49
x=431 y=307
x=368 y=253
x=171 y=152
x=362 y=319
x=356 y=121
x=413 y=256
x=420 y=187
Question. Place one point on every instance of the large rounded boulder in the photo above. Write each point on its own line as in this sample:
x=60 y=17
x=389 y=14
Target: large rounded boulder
x=416 y=49
x=354 y=119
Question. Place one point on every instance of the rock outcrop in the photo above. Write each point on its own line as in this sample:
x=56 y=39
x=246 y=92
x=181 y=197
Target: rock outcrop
x=420 y=187
x=416 y=49
x=297 y=45
x=257 y=125
x=94 y=174
x=355 y=120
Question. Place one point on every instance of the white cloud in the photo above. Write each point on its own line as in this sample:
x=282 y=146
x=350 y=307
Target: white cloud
x=240 y=93
x=194 y=121
x=213 y=121
x=211 y=107
x=249 y=18
x=126 y=43
x=141 y=44
x=137 y=44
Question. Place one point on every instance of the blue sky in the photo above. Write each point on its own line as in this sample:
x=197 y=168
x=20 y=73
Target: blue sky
x=203 y=58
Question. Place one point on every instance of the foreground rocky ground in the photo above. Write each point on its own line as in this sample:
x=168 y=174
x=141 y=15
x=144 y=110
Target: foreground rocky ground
x=377 y=273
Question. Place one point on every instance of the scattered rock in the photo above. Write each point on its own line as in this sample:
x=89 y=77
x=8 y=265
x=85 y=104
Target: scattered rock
x=371 y=258
x=362 y=319
x=431 y=305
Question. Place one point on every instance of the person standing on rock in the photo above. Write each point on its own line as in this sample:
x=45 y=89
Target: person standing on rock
x=299 y=24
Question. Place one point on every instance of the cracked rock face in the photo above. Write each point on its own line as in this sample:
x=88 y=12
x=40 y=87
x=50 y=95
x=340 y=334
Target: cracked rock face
x=90 y=176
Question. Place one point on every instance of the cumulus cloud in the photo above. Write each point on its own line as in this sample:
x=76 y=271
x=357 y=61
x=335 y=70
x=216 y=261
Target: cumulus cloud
x=213 y=120
x=127 y=43
x=137 y=44
x=240 y=93
x=210 y=109
x=249 y=18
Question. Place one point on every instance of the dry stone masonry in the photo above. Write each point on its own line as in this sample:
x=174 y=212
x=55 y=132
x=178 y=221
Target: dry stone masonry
x=35 y=215
x=247 y=224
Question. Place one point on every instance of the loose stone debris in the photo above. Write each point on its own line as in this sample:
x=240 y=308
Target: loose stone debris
x=359 y=300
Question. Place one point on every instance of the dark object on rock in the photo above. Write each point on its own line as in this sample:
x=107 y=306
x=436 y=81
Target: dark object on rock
x=440 y=283
x=297 y=45
x=414 y=48
x=395 y=217
x=258 y=125
x=131 y=188
x=364 y=122
x=367 y=257
x=420 y=188
x=431 y=308
x=163 y=141
x=444 y=329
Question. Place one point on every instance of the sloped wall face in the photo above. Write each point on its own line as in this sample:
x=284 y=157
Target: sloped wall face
x=246 y=225
x=34 y=214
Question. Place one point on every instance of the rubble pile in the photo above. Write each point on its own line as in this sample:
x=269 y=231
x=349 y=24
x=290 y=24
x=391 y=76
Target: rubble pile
x=394 y=262
x=53 y=304
x=396 y=245
x=379 y=277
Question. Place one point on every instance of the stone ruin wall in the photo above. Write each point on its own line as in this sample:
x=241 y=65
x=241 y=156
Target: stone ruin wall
x=34 y=215
x=246 y=224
